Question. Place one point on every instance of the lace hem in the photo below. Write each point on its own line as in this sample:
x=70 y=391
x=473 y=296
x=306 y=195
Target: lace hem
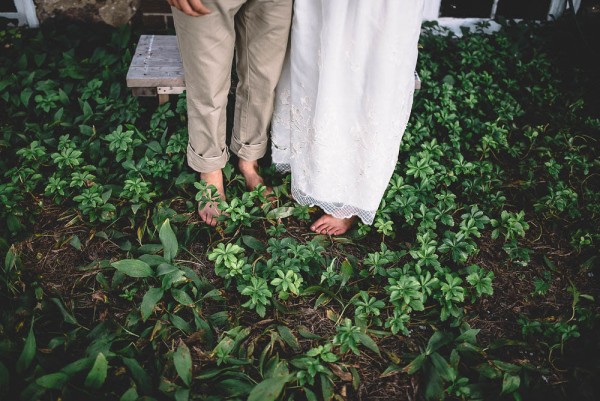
x=338 y=210
x=282 y=168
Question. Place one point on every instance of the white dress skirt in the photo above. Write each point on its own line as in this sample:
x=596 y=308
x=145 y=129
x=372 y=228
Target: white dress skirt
x=344 y=99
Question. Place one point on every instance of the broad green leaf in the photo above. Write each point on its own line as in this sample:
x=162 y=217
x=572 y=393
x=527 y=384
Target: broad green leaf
x=97 y=375
x=133 y=268
x=183 y=363
x=368 y=342
x=236 y=387
x=289 y=337
x=151 y=298
x=53 y=380
x=326 y=387
x=437 y=340
x=142 y=379
x=391 y=370
x=468 y=336
x=182 y=297
x=306 y=333
x=510 y=383
x=181 y=324
x=269 y=389
x=168 y=240
x=28 y=351
x=78 y=366
x=253 y=243
x=280 y=213
x=130 y=395
x=67 y=316
x=347 y=271
x=150 y=248
x=442 y=367
x=152 y=260
x=310 y=396
x=415 y=364
x=165 y=268
x=11 y=259
x=75 y=242
x=182 y=394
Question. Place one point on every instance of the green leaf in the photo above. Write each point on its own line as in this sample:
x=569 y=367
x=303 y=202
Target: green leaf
x=133 y=268
x=150 y=248
x=142 y=379
x=391 y=370
x=253 y=243
x=437 y=340
x=25 y=96
x=442 y=367
x=306 y=333
x=183 y=363
x=130 y=395
x=289 y=338
x=75 y=242
x=326 y=388
x=510 y=383
x=151 y=298
x=415 y=364
x=67 y=316
x=280 y=213
x=182 y=297
x=310 y=396
x=182 y=394
x=168 y=240
x=53 y=381
x=28 y=351
x=347 y=271
x=154 y=260
x=10 y=260
x=78 y=366
x=269 y=389
x=185 y=178
x=181 y=324
x=369 y=343
x=97 y=375
x=236 y=387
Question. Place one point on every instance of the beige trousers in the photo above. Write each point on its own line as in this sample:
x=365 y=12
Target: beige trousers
x=258 y=30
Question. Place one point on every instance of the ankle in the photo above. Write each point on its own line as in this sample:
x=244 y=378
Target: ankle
x=215 y=178
x=248 y=166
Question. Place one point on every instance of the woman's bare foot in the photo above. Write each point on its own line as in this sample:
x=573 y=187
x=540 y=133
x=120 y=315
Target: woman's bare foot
x=328 y=224
x=249 y=169
x=210 y=212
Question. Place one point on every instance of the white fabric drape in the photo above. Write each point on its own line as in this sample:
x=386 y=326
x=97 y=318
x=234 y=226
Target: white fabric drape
x=344 y=99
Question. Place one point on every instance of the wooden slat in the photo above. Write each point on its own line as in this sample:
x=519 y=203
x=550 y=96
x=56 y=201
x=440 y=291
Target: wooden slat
x=156 y=63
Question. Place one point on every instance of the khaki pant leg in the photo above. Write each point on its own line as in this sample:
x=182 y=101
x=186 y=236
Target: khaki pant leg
x=262 y=28
x=206 y=45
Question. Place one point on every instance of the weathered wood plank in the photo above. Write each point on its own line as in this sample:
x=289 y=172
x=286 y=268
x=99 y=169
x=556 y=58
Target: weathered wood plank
x=156 y=63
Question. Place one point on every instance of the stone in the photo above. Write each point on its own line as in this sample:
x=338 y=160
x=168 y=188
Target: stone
x=110 y=12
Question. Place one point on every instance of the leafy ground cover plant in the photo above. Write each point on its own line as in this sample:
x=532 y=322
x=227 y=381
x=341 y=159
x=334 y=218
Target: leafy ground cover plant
x=478 y=279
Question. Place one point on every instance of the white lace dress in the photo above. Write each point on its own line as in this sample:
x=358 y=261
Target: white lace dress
x=344 y=99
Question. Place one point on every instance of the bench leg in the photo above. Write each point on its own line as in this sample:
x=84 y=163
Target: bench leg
x=163 y=98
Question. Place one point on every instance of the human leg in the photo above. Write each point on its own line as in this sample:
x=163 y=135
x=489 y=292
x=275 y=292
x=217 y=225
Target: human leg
x=206 y=45
x=262 y=34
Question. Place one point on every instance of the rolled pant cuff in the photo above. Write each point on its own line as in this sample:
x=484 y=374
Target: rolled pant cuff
x=206 y=164
x=248 y=152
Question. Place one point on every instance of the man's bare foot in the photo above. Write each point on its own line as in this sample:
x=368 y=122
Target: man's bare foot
x=210 y=212
x=249 y=169
x=328 y=224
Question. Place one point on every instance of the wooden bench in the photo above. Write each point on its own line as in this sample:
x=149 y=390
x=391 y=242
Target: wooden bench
x=157 y=70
